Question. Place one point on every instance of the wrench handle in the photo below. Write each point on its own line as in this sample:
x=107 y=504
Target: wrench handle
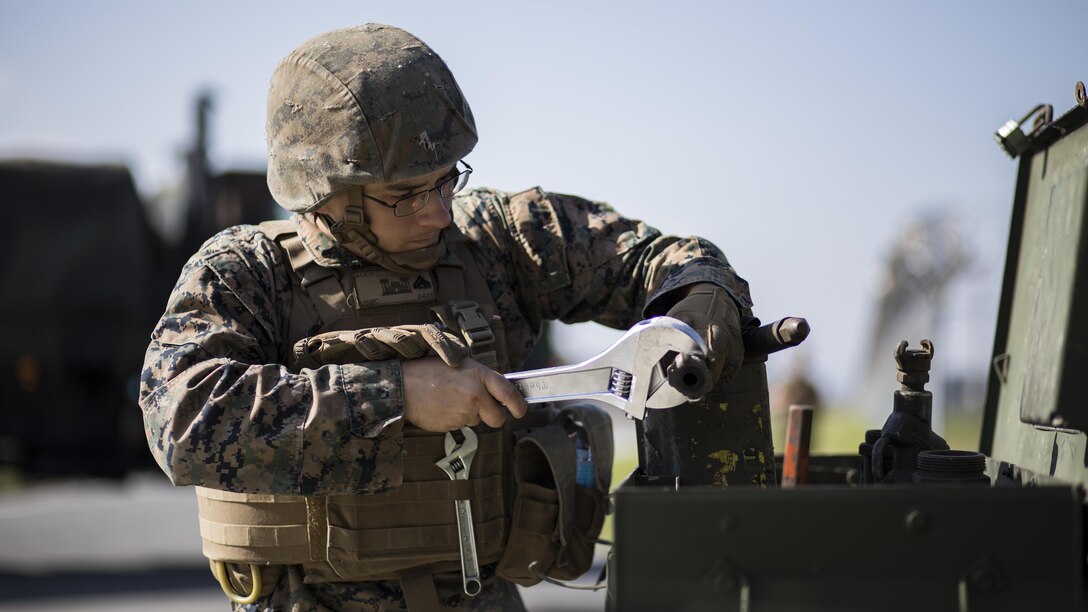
x=470 y=567
x=560 y=383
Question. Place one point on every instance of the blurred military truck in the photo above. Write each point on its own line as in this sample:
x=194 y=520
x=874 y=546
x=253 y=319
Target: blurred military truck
x=83 y=279
x=75 y=302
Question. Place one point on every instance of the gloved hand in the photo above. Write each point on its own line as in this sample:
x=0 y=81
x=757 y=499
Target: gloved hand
x=380 y=343
x=710 y=311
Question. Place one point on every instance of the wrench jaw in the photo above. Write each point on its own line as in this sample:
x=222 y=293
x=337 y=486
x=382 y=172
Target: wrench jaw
x=459 y=455
x=658 y=351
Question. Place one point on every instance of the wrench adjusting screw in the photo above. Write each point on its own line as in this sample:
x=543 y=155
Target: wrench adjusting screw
x=621 y=383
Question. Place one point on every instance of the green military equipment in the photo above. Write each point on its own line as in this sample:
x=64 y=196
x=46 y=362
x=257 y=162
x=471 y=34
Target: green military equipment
x=909 y=524
x=1035 y=412
x=724 y=437
x=891 y=453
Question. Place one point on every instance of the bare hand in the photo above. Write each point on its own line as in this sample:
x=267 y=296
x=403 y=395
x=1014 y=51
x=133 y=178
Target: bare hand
x=440 y=398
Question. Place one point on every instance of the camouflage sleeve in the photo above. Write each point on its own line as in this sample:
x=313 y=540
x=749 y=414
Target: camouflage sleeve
x=222 y=410
x=580 y=260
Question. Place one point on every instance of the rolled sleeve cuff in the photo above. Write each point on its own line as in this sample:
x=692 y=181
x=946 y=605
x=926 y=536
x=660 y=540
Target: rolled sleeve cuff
x=708 y=271
x=375 y=396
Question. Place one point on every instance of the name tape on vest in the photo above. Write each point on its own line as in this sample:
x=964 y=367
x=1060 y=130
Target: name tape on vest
x=379 y=287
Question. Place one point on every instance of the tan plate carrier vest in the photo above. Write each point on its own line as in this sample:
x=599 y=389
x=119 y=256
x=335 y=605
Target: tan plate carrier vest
x=384 y=536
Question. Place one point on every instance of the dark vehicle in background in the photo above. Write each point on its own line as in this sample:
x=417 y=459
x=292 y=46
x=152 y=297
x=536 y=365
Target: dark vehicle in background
x=83 y=279
x=78 y=283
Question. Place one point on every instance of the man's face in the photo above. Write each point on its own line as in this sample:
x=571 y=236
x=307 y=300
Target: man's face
x=401 y=234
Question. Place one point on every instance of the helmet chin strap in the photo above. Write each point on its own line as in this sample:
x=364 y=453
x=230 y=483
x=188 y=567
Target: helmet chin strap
x=353 y=231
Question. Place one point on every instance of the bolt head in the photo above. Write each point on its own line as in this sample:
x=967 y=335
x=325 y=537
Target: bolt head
x=916 y=522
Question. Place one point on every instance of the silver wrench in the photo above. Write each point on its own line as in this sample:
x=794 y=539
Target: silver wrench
x=456 y=464
x=631 y=375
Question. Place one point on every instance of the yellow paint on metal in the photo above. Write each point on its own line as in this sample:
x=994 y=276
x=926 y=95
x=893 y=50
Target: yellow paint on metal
x=723 y=406
x=728 y=460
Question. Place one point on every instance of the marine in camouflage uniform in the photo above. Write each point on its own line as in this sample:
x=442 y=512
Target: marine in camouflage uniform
x=223 y=409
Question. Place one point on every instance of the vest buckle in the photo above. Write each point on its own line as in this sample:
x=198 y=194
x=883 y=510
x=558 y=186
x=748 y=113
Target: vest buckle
x=476 y=330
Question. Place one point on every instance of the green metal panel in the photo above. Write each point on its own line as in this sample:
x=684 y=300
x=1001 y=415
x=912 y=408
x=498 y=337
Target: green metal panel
x=1038 y=413
x=824 y=548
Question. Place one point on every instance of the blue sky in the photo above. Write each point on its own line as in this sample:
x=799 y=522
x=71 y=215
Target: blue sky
x=800 y=137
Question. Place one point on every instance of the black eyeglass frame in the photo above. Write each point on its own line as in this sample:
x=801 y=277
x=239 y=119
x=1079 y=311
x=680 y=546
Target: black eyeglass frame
x=455 y=183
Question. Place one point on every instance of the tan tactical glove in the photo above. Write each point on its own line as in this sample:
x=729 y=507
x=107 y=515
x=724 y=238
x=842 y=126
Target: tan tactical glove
x=380 y=343
x=710 y=311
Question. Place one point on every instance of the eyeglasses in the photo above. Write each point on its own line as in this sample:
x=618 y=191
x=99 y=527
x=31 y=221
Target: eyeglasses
x=414 y=202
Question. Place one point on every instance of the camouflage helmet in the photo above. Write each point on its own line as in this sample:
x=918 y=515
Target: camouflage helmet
x=367 y=104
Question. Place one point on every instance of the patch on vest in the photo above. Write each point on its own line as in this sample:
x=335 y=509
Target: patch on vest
x=381 y=287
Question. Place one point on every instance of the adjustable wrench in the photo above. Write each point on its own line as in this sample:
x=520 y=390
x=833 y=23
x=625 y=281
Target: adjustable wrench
x=455 y=464
x=633 y=374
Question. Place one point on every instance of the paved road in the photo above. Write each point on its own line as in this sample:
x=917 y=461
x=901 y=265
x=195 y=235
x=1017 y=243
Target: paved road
x=543 y=598
x=83 y=546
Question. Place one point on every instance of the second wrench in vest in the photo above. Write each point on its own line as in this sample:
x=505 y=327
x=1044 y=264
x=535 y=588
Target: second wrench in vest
x=456 y=464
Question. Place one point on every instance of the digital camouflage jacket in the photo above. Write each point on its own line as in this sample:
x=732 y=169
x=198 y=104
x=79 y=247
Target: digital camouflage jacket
x=222 y=410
